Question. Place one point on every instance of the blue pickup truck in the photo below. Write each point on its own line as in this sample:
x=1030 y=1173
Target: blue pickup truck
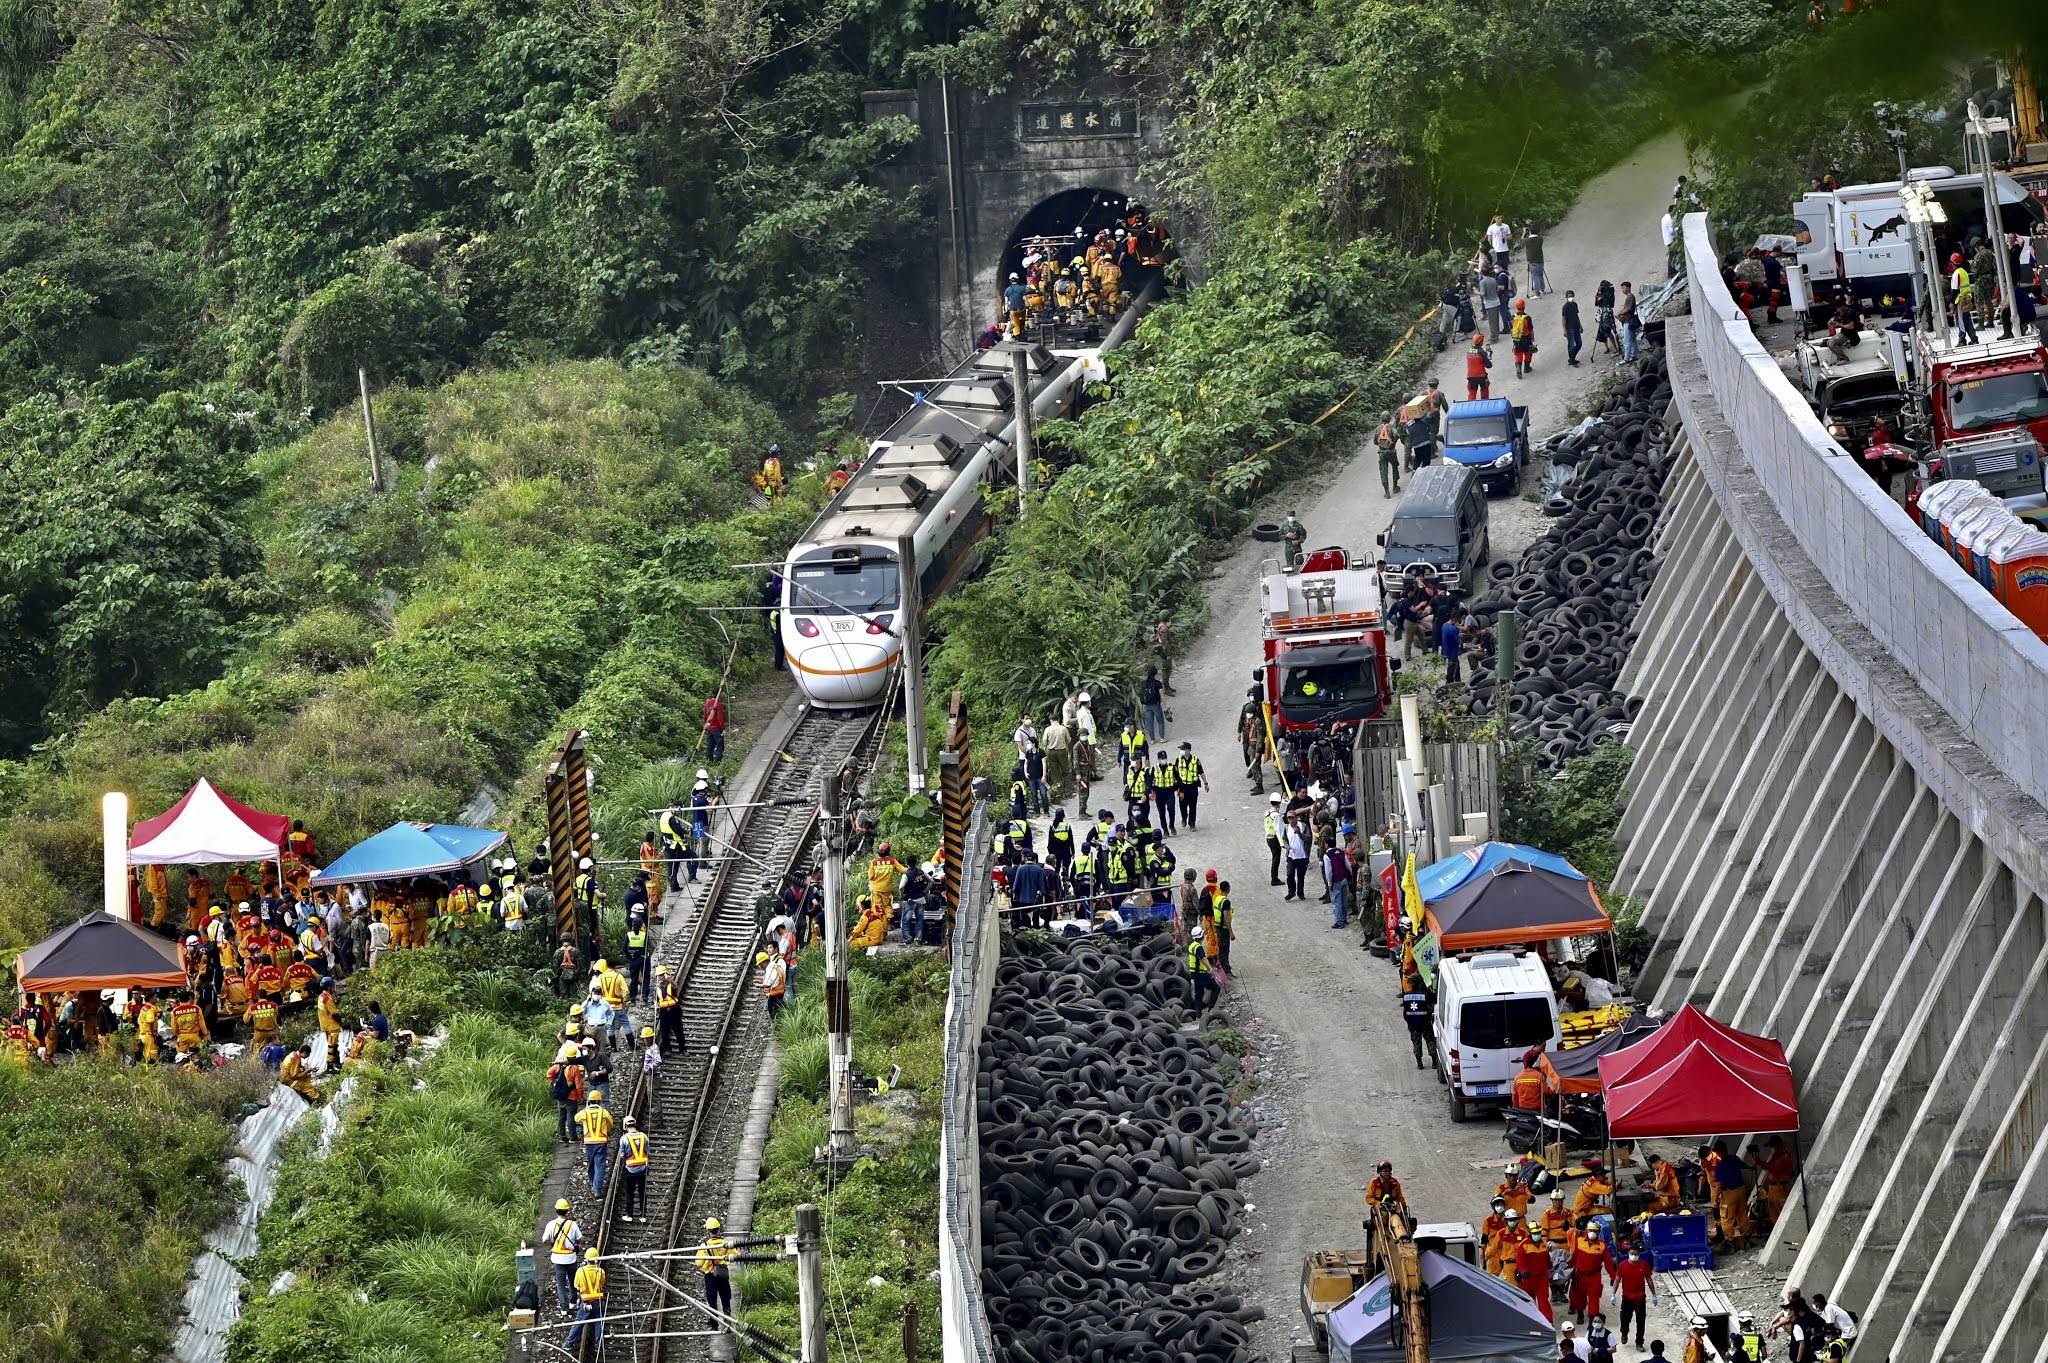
x=1490 y=436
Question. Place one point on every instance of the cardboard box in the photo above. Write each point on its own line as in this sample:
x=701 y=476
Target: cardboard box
x=519 y=1320
x=1556 y=1156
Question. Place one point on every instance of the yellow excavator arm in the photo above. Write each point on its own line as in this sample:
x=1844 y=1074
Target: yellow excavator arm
x=1393 y=1245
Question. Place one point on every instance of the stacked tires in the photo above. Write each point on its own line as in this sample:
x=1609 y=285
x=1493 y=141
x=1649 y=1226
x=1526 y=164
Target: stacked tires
x=1112 y=1161
x=1576 y=590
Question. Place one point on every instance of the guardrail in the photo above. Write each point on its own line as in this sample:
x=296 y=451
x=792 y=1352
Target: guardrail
x=1966 y=650
x=977 y=946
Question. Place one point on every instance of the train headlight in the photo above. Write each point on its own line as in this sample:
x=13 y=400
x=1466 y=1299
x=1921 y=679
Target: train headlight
x=807 y=628
x=880 y=624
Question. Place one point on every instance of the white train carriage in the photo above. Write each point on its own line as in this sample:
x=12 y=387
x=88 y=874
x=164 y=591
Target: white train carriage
x=841 y=604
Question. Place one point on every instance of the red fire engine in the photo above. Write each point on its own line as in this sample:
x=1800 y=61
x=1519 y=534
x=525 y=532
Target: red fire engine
x=1325 y=642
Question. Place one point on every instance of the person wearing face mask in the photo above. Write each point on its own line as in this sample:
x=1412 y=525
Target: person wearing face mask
x=1636 y=1281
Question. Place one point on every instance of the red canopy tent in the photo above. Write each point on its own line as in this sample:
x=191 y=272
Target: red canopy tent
x=206 y=828
x=1686 y=1026
x=1697 y=1077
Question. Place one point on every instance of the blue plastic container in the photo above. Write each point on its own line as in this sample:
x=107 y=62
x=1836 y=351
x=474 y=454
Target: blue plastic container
x=1679 y=1240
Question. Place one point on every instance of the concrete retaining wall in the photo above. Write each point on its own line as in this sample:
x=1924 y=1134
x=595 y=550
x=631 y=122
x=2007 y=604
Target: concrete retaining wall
x=1836 y=827
x=977 y=946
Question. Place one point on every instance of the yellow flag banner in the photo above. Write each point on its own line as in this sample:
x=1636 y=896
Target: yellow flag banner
x=1412 y=892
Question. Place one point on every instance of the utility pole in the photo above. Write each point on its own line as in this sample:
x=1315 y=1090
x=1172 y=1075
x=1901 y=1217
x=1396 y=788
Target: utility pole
x=913 y=659
x=370 y=430
x=838 y=1022
x=1895 y=133
x=1504 y=629
x=1020 y=382
x=810 y=1285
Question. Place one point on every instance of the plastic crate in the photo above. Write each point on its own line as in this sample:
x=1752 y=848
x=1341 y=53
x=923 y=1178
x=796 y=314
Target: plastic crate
x=1679 y=1240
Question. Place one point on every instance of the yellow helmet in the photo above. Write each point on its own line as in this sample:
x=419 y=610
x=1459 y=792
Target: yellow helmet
x=590 y=1253
x=603 y=966
x=761 y=959
x=711 y=1223
x=562 y=1204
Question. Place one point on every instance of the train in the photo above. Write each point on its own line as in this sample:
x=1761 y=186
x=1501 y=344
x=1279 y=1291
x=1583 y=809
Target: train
x=840 y=623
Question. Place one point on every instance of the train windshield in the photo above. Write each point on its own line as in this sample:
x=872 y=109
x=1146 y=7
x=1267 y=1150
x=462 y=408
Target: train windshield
x=831 y=583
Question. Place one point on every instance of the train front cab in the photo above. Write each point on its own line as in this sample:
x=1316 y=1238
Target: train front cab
x=839 y=623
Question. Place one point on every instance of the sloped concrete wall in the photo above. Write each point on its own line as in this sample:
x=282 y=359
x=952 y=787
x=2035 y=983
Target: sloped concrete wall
x=1836 y=826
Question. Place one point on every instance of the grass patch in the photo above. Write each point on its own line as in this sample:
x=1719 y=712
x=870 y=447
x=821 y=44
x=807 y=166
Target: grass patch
x=882 y=1216
x=403 y=1235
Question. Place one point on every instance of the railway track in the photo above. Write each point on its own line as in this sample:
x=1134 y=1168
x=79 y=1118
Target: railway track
x=711 y=955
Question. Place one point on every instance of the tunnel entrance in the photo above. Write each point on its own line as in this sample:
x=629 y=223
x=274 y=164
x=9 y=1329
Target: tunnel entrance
x=1089 y=210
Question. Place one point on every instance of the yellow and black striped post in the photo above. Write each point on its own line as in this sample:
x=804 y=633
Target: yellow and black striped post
x=956 y=797
x=567 y=788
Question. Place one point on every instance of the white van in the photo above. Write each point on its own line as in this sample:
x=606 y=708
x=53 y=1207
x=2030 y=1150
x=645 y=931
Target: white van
x=1490 y=1009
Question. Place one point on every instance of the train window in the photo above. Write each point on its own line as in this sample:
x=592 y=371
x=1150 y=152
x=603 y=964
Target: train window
x=827 y=584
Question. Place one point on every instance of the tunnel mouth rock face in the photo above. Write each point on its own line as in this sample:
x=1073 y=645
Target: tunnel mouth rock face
x=1090 y=207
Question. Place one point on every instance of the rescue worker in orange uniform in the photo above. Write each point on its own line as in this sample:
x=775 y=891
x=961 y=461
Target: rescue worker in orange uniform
x=1532 y=1273
x=1592 y=1196
x=1590 y=1262
x=188 y=1023
x=1510 y=1244
x=296 y=1073
x=158 y=882
x=882 y=874
x=198 y=899
x=1669 y=1197
x=1778 y=1172
x=1557 y=1222
x=1477 y=362
x=266 y=981
x=1494 y=1243
x=262 y=1020
x=237 y=887
x=1385 y=1188
x=1514 y=1192
x=1526 y=1092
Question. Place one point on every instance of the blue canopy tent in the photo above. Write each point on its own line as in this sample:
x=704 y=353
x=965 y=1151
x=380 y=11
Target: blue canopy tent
x=1440 y=878
x=405 y=850
x=1472 y=1314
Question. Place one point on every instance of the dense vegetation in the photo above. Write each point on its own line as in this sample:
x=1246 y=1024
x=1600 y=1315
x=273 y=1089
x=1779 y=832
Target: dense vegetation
x=400 y=1233
x=107 y=1158
x=881 y=1217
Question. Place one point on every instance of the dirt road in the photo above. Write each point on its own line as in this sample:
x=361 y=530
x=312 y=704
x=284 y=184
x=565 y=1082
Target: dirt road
x=1340 y=1090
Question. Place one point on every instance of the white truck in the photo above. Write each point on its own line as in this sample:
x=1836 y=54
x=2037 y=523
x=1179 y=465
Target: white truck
x=1491 y=1008
x=1858 y=237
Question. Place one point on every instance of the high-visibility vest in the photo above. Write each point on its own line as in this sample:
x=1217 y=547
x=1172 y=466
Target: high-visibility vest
x=590 y=1283
x=1138 y=783
x=636 y=939
x=515 y=911
x=633 y=1149
x=1273 y=826
x=774 y=977
x=1190 y=769
x=1059 y=834
x=714 y=1255
x=586 y=888
x=1751 y=1346
x=596 y=1123
x=562 y=1235
x=672 y=828
x=1198 y=959
x=1162 y=776
x=1084 y=862
x=612 y=985
x=669 y=997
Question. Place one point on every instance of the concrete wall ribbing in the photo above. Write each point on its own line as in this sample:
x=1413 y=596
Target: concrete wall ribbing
x=1835 y=827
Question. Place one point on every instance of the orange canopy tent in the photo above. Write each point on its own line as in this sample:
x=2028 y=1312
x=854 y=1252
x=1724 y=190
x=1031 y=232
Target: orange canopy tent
x=99 y=952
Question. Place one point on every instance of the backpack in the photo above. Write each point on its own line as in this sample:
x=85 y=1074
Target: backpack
x=558 y=1082
x=1520 y=328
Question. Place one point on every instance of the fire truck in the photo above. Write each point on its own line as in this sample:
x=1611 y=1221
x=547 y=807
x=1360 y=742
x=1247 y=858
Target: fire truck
x=1325 y=642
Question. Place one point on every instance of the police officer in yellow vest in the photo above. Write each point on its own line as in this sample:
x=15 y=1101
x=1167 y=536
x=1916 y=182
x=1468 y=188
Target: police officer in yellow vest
x=633 y=1168
x=712 y=1259
x=638 y=984
x=1203 y=984
x=587 y=893
x=1084 y=879
x=590 y=1285
x=668 y=1009
x=1137 y=786
x=1189 y=781
x=1165 y=784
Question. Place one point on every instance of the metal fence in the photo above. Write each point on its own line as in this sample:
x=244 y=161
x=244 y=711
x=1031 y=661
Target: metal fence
x=1469 y=773
x=977 y=946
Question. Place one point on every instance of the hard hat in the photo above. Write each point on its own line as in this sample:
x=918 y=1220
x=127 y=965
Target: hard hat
x=701 y=785
x=703 y=774
x=583 y=864
x=1745 y=1318
x=711 y=1223
x=561 y=1204
x=216 y=911
x=1956 y=259
x=1509 y=1171
x=590 y=1253
x=1082 y=698
x=883 y=849
x=1522 y=305
x=1514 y=1215
x=1699 y=1322
x=602 y=966
x=661 y=970
x=1274 y=798
x=1013 y=276
x=597 y=1095
x=631 y=1122
x=761 y=959
x=577 y=1011
x=1198 y=932
x=647 y=1031
x=1477 y=339
x=1210 y=874
x=1557 y=1194
x=1387 y=1164
x=1500 y=1202
x=192 y=940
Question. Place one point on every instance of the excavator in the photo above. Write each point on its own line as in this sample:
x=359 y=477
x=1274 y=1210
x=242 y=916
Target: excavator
x=2029 y=131
x=1330 y=1276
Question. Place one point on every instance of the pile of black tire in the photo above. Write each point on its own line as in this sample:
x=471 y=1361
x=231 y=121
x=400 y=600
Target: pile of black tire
x=1111 y=1160
x=1576 y=590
